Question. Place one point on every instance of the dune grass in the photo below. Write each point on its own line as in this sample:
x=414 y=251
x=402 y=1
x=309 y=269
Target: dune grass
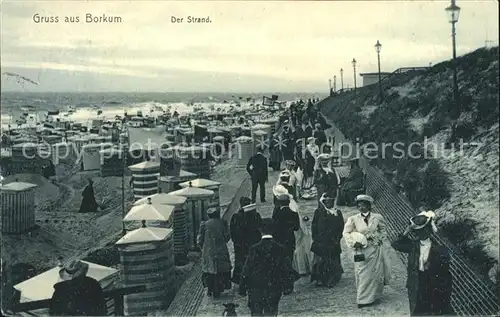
x=425 y=183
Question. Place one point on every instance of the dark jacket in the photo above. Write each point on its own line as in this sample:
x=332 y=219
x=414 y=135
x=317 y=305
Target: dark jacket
x=81 y=296
x=308 y=131
x=326 y=182
x=320 y=137
x=355 y=179
x=244 y=229
x=436 y=294
x=326 y=230
x=266 y=267
x=285 y=222
x=89 y=203
x=298 y=133
x=258 y=170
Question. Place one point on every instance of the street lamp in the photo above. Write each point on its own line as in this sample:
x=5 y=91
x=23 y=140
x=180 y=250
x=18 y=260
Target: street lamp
x=334 y=83
x=354 y=68
x=342 y=79
x=453 y=12
x=330 y=85
x=378 y=48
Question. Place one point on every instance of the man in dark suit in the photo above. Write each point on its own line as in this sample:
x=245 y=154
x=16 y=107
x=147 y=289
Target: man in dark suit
x=257 y=168
x=265 y=274
x=429 y=279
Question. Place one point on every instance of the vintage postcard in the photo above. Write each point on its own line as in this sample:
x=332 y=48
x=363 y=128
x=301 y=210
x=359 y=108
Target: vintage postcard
x=263 y=158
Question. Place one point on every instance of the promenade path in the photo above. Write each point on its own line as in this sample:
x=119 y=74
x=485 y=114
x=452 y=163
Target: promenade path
x=307 y=299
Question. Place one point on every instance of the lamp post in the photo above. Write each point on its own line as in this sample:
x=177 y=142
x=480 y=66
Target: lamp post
x=354 y=68
x=342 y=79
x=330 y=85
x=334 y=83
x=378 y=48
x=124 y=152
x=453 y=12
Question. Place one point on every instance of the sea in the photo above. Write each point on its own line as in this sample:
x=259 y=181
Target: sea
x=85 y=106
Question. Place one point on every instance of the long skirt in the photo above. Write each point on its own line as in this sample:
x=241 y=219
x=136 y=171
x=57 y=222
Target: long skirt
x=372 y=274
x=302 y=256
x=327 y=270
x=275 y=159
x=216 y=283
x=239 y=260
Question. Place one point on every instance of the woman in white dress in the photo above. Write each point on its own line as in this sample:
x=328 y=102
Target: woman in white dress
x=303 y=257
x=365 y=233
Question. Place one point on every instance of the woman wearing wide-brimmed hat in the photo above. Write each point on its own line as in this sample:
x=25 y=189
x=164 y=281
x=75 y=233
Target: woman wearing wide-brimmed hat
x=285 y=220
x=365 y=233
x=288 y=179
x=327 y=227
x=429 y=280
x=77 y=294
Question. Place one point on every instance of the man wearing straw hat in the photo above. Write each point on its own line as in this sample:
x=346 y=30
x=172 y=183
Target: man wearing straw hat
x=429 y=279
x=77 y=294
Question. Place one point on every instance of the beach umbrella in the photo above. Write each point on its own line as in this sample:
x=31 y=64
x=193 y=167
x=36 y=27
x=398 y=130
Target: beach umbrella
x=42 y=286
x=149 y=212
x=162 y=199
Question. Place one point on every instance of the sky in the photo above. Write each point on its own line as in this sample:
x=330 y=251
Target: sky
x=250 y=46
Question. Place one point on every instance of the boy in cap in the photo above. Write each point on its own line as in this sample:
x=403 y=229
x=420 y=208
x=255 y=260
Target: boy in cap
x=429 y=281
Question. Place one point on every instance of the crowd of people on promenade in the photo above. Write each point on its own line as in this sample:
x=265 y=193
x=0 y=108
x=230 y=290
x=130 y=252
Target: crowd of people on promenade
x=271 y=254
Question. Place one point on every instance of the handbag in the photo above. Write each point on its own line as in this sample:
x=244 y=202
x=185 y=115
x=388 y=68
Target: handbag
x=359 y=256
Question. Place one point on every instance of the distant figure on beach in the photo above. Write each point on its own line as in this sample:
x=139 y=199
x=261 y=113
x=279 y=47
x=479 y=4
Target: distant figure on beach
x=88 y=199
x=257 y=168
x=275 y=156
x=77 y=294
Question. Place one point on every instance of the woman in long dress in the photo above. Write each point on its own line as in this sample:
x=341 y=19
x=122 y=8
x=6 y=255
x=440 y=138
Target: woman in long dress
x=215 y=262
x=303 y=257
x=327 y=227
x=89 y=203
x=372 y=264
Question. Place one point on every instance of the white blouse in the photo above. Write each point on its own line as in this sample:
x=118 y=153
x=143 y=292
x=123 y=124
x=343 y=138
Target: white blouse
x=425 y=248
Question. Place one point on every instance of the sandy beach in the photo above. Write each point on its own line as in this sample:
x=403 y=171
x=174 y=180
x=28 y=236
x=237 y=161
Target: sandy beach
x=62 y=231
